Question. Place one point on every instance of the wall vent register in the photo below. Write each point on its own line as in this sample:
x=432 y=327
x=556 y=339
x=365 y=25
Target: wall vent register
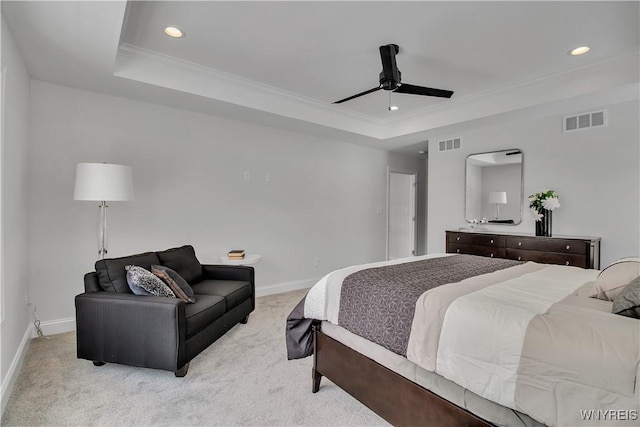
x=585 y=121
x=450 y=144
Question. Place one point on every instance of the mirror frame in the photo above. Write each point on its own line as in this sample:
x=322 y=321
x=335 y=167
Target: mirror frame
x=516 y=221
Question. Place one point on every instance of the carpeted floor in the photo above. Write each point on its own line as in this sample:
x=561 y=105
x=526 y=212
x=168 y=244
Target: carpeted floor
x=244 y=378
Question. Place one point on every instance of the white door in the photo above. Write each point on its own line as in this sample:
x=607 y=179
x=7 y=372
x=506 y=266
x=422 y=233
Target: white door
x=402 y=215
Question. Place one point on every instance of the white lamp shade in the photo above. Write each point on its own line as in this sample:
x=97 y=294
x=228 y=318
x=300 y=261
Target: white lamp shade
x=498 y=197
x=103 y=182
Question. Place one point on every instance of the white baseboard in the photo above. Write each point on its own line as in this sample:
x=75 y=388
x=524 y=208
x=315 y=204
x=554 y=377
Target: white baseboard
x=285 y=287
x=52 y=327
x=14 y=369
x=60 y=326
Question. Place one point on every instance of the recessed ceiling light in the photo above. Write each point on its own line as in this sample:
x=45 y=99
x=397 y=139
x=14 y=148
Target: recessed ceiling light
x=174 y=32
x=579 y=50
x=393 y=107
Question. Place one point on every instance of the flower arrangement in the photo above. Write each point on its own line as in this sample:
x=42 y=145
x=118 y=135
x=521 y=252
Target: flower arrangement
x=543 y=200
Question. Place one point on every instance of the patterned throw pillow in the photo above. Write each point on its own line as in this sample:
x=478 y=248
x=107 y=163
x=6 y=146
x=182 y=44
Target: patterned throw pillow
x=628 y=302
x=141 y=278
x=175 y=282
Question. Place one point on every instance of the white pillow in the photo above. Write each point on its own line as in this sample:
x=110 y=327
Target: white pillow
x=613 y=279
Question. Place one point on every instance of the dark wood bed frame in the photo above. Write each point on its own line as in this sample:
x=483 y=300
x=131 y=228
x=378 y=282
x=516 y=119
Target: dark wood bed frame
x=398 y=400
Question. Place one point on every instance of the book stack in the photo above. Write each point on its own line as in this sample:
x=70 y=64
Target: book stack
x=236 y=254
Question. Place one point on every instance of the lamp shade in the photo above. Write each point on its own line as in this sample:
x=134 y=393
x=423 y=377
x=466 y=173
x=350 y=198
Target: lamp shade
x=498 y=197
x=103 y=182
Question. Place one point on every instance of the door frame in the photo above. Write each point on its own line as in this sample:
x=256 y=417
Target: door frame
x=415 y=205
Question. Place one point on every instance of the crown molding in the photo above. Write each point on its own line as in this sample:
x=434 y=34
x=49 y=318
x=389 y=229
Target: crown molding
x=606 y=75
x=153 y=68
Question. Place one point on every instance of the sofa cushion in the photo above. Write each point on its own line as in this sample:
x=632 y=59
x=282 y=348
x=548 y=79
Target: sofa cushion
x=175 y=282
x=138 y=277
x=111 y=273
x=233 y=291
x=183 y=261
x=203 y=312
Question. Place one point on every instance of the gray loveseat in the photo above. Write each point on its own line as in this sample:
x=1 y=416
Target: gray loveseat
x=114 y=325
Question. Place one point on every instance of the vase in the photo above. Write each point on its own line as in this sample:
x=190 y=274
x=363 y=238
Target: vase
x=543 y=227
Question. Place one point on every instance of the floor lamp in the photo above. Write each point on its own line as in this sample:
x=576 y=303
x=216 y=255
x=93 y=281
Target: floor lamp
x=499 y=198
x=103 y=182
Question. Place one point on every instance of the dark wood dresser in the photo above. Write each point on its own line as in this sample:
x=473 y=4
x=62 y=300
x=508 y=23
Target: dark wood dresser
x=577 y=251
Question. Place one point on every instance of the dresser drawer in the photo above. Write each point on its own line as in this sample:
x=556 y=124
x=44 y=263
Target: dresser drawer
x=562 y=246
x=548 y=257
x=476 y=250
x=477 y=239
x=571 y=250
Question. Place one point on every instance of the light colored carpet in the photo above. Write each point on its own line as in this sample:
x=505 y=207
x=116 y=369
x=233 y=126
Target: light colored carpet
x=244 y=378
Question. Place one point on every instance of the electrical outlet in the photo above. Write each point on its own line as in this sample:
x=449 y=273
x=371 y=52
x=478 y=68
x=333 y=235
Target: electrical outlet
x=247 y=175
x=267 y=177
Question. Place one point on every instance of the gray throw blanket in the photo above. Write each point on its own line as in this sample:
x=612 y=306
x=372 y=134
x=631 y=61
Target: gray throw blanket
x=379 y=303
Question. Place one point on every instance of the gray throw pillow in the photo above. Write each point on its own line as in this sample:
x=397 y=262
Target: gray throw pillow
x=628 y=302
x=175 y=282
x=138 y=277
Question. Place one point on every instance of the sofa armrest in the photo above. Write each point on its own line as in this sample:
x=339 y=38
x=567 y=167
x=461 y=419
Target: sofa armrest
x=91 y=282
x=229 y=272
x=131 y=329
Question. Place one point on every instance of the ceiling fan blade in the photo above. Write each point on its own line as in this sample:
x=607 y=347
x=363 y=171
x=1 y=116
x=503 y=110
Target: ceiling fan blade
x=421 y=90
x=360 y=94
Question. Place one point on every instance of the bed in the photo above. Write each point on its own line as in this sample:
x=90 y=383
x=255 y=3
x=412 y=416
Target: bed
x=465 y=340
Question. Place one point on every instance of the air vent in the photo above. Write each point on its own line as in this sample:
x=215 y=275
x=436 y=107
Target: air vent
x=585 y=121
x=450 y=144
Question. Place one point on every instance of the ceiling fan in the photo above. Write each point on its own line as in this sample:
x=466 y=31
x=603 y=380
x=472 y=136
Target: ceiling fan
x=390 y=78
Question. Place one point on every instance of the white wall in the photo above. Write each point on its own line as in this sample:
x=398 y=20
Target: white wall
x=595 y=172
x=15 y=326
x=322 y=199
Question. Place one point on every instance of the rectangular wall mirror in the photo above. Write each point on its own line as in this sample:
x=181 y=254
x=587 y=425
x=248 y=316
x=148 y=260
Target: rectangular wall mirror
x=494 y=187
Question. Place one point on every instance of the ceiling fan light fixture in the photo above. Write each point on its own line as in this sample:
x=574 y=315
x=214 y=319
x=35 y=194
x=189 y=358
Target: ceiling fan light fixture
x=174 y=32
x=579 y=50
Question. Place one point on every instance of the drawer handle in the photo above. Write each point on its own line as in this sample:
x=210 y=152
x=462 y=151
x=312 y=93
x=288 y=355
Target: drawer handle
x=458 y=238
x=567 y=263
x=519 y=258
x=491 y=240
x=568 y=247
x=458 y=250
x=519 y=243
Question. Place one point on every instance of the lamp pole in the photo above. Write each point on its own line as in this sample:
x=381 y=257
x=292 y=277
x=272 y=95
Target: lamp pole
x=102 y=229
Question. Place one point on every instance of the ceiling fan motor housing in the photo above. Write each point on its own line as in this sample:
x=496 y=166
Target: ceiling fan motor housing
x=389 y=83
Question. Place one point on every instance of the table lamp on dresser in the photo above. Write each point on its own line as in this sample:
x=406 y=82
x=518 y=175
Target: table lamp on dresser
x=499 y=198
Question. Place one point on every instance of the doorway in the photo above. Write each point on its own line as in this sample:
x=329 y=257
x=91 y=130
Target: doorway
x=402 y=230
